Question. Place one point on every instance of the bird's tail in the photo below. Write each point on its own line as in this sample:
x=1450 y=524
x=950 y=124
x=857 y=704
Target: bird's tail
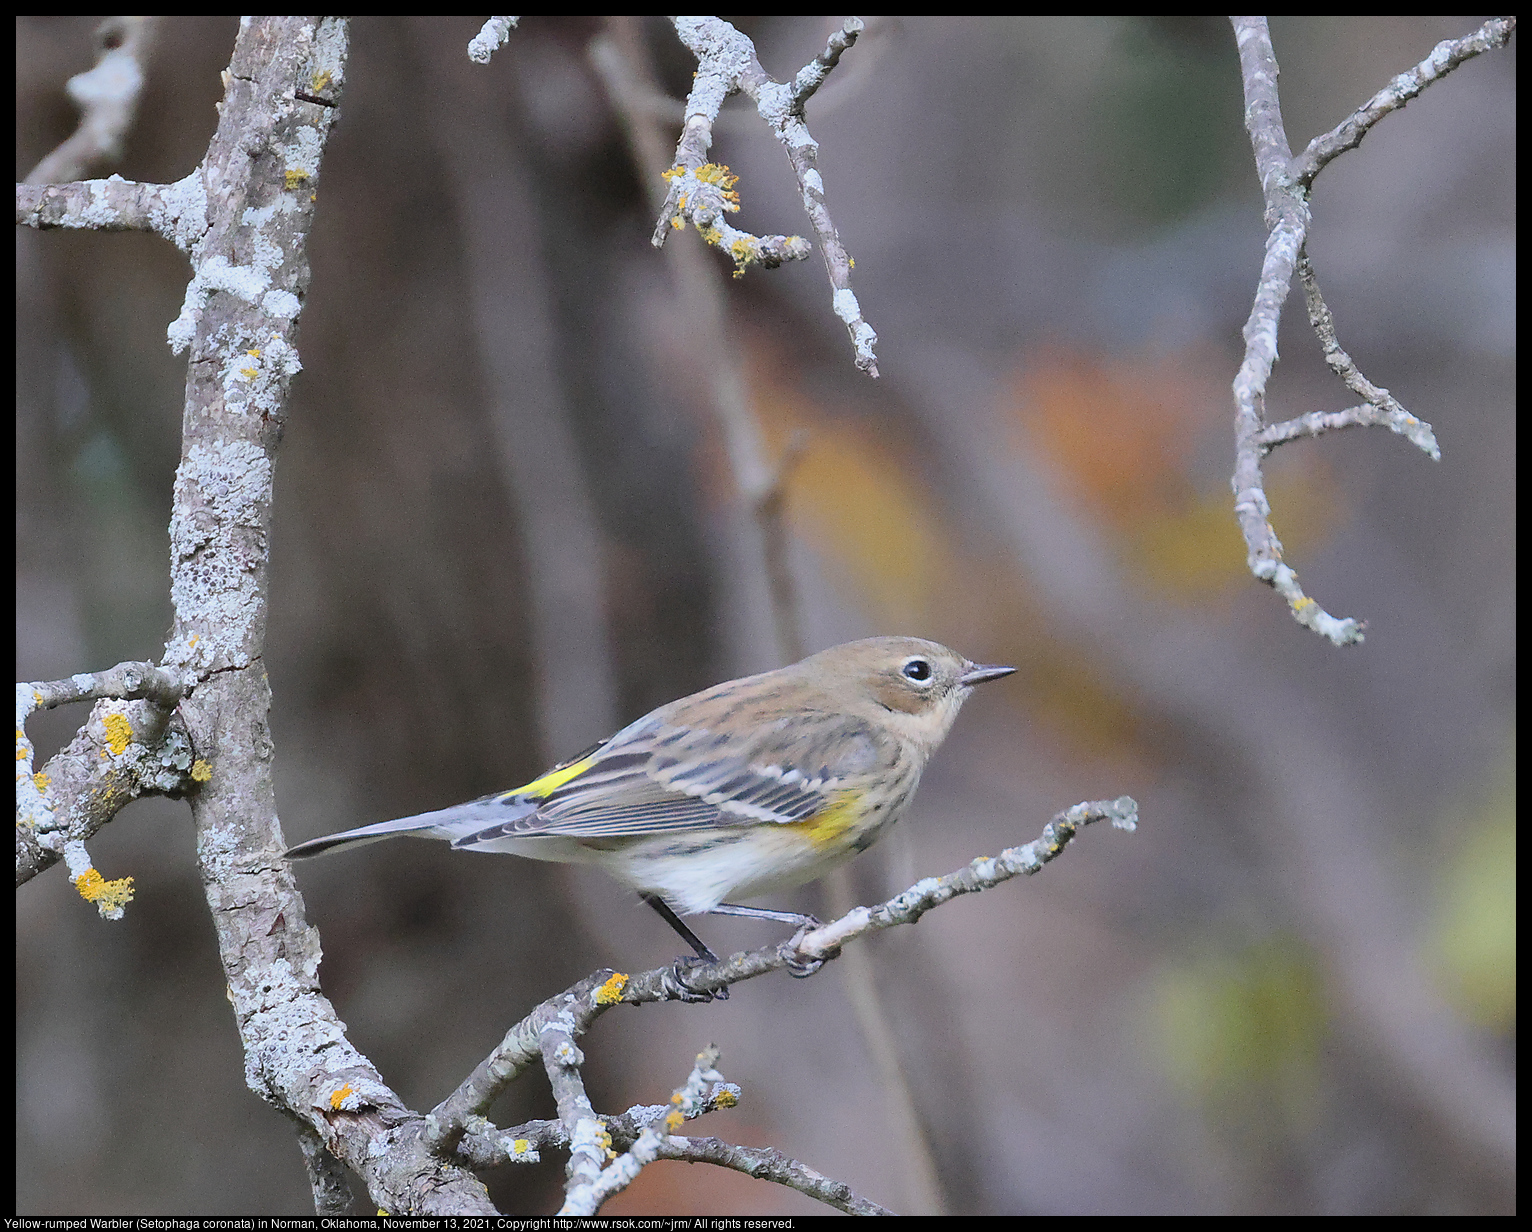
x=422 y=825
x=452 y=824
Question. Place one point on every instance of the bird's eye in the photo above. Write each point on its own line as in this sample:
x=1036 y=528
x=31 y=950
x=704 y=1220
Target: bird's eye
x=917 y=670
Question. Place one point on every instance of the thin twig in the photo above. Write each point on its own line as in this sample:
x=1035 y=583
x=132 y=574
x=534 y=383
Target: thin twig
x=587 y=1197
x=1389 y=413
x=767 y=1164
x=984 y=873
x=701 y=192
x=1317 y=423
x=486 y=1145
x=1285 y=182
x=492 y=36
x=589 y=1145
x=1444 y=57
x=574 y=1009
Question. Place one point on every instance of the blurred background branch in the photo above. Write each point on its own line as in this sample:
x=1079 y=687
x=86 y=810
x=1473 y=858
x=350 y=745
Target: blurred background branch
x=107 y=96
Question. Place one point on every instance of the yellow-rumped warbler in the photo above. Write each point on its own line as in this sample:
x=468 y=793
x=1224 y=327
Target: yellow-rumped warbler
x=753 y=785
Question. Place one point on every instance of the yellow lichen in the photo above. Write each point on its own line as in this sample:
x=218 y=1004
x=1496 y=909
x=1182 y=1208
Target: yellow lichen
x=725 y=1098
x=719 y=175
x=610 y=993
x=201 y=771
x=340 y=1095
x=119 y=733
x=744 y=253
x=41 y=781
x=109 y=896
x=295 y=177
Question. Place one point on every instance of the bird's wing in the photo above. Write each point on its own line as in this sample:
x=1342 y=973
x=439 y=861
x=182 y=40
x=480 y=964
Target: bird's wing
x=655 y=778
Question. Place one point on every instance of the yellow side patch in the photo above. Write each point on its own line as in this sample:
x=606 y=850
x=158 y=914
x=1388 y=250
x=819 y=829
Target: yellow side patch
x=831 y=826
x=554 y=779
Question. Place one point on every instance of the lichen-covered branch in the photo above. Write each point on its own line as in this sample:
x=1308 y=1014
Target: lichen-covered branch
x=589 y=1144
x=176 y=212
x=485 y=1145
x=243 y=216
x=984 y=873
x=586 y=1197
x=239 y=323
x=492 y=36
x=124 y=750
x=702 y=192
x=523 y=1046
x=1285 y=185
x=1287 y=221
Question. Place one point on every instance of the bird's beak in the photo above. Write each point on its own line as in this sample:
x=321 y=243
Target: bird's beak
x=978 y=673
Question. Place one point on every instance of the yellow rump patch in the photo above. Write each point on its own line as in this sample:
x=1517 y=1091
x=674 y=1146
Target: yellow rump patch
x=554 y=779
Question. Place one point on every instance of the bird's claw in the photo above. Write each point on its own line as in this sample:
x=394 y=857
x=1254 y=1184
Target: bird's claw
x=677 y=989
x=799 y=966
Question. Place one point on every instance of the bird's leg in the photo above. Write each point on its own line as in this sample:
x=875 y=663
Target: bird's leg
x=686 y=934
x=765 y=913
x=799 y=968
x=704 y=955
